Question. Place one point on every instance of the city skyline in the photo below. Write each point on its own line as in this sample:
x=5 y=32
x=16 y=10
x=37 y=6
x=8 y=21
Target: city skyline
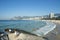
x=11 y=8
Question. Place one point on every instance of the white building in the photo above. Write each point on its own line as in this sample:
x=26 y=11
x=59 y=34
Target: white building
x=51 y=15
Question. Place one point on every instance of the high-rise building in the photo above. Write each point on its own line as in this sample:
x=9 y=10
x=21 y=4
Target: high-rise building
x=51 y=15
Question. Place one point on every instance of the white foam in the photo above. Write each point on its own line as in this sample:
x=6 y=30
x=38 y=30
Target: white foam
x=45 y=30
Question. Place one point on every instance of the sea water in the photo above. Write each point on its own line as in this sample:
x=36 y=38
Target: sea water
x=27 y=25
x=32 y=26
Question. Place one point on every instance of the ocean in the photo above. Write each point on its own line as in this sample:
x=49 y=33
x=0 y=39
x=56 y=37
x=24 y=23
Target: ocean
x=37 y=27
x=26 y=25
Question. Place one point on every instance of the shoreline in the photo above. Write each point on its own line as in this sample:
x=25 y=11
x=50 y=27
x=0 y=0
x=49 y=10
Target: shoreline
x=51 y=35
x=30 y=37
x=54 y=34
x=45 y=30
x=54 y=21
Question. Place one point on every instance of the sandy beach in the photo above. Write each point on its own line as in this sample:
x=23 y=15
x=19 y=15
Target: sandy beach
x=53 y=35
x=54 y=21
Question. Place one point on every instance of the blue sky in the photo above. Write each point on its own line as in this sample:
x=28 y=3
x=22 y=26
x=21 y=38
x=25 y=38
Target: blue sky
x=11 y=8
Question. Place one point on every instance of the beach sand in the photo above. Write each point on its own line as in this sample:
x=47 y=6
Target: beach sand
x=55 y=34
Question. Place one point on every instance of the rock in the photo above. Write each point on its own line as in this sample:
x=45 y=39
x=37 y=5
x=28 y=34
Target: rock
x=24 y=36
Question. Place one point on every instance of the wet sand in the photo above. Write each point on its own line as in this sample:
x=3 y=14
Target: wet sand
x=55 y=34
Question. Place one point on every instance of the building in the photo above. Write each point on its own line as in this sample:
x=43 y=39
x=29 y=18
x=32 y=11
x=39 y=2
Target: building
x=51 y=15
x=57 y=14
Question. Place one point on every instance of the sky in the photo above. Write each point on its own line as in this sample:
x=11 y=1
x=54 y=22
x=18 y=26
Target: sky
x=12 y=8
